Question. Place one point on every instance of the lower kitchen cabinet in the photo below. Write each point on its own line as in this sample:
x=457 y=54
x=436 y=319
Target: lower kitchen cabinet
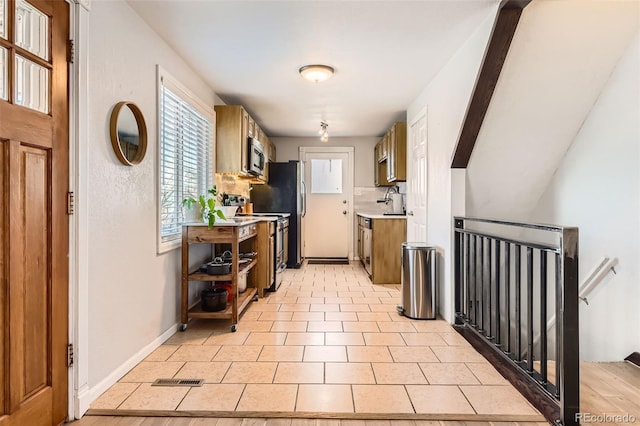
x=265 y=269
x=380 y=247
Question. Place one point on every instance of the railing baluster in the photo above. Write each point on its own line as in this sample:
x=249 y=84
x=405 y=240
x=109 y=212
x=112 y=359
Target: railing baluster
x=482 y=305
x=543 y=316
x=467 y=271
x=457 y=272
x=558 y=322
x=518 y=264
x=497 y=298
x=490 y=312
x=476 y=308
x=472 y=284
x=530 y=309
x=507 y=294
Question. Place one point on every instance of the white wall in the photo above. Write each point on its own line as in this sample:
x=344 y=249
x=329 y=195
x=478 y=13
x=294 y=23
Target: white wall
x=560 y=58
x=446 y=99
x=558 y=146
x=287 y=149
x=597 y=188
x=133 y=291
x=365 y=193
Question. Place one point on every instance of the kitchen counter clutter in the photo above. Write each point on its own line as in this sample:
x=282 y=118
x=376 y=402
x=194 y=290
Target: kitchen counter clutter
x=236 y=236
x=380 y=239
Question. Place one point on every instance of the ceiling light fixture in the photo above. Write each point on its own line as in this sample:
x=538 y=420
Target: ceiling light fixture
x=324 y=133
x=316 y=73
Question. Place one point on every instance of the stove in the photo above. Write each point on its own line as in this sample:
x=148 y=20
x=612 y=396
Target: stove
x=280 y=254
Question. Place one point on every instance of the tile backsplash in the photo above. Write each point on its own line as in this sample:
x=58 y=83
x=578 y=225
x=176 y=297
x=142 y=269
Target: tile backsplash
x=231 y=184
x=365 y=198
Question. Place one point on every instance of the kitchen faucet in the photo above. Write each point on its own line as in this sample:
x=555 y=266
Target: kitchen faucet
x=387 y=195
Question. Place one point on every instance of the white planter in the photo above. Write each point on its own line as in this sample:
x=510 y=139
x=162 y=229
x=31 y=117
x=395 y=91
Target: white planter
x=194 y=214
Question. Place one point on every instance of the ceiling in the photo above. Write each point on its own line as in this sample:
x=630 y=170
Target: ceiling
x=384 y=52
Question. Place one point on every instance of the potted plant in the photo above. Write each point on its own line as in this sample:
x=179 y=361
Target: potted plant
x=207 y=205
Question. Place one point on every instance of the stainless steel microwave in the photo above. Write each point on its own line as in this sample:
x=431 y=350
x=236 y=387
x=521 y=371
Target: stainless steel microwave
x=256 y=157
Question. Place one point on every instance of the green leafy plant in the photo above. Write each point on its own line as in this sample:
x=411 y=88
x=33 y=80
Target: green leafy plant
x=207 y=203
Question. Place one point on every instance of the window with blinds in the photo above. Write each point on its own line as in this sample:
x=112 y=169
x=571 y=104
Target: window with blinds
x=185 y=155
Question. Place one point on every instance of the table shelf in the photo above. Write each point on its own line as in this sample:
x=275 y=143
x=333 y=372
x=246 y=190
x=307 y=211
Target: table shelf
x=233 y=235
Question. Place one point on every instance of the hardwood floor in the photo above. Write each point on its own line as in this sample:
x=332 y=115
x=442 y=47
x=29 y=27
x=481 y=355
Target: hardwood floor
x=611 y=388
x=202 y=421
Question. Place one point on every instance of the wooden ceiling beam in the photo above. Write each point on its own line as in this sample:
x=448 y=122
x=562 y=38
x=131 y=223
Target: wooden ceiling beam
x=502 y=33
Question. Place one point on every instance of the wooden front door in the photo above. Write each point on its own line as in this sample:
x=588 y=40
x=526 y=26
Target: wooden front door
x=34 y=177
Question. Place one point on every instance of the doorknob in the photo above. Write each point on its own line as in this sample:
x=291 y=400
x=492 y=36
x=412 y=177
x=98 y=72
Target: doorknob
x=344 y=212
x=410 y=213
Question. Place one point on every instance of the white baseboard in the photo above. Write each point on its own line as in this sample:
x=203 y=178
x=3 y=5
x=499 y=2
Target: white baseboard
x=87 y=395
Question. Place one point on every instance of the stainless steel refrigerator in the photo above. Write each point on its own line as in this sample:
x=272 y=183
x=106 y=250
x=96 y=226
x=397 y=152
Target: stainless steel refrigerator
x=285 y=193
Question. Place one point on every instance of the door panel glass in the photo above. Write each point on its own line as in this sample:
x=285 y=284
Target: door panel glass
x=4 y=70
x=32 y=29
x=326 y=176
x=3 y=19
x=32 y=85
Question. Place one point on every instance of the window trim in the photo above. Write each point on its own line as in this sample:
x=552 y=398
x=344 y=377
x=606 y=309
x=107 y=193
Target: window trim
x=166 y=79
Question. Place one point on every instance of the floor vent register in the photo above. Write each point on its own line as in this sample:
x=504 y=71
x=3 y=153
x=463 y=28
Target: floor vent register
x=178 y=382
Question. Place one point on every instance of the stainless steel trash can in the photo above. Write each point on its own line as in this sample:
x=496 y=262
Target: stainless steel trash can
x=419 y=290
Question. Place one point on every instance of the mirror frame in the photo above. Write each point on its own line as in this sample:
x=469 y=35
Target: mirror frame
x=142 y=133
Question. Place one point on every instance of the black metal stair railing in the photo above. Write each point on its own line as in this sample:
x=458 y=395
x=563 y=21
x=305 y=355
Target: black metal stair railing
x=503 y=297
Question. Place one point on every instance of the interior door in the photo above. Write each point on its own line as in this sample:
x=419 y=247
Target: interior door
x=417 y=180
x=34 y=179
x=328 y=212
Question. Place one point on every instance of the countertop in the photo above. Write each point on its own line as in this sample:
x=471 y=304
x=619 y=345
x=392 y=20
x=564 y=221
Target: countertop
x=234 y=221
x=381 y=216
x=267 y=216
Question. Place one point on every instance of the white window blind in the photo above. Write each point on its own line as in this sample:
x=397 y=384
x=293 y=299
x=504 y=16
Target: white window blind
x=185 y=155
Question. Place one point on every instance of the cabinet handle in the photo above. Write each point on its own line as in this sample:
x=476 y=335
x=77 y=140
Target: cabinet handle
x=344 y=212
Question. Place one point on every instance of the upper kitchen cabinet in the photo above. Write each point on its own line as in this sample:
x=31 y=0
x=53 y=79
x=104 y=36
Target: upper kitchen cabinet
x=232 y=132
x=397 y=153
x=391 y=156
x=234 y=126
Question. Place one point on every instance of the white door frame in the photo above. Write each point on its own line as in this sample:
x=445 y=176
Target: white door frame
x=78 y=401
x=303 y=150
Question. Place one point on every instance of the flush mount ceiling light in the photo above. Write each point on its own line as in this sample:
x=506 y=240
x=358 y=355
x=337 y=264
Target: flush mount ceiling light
x=324 y=133
x=316 y=73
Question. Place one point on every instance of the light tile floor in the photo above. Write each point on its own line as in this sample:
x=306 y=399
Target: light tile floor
x=328 y=341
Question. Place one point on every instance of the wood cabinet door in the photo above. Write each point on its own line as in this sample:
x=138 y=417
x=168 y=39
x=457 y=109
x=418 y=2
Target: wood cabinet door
x=271 y=256
x=34 y=177
x=384 y=147
x=391 y=154
x=244 y=142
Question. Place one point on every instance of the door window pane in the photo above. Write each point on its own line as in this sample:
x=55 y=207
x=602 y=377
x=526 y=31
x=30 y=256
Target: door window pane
x=32 y=85
x=4 y=70
x=326 y=176
x=32 y=29
x=3 y=19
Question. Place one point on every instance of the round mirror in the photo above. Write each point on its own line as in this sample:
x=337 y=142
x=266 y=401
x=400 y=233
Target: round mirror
x=128 y=133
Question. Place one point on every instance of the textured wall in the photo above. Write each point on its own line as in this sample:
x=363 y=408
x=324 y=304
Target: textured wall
x=133 y=290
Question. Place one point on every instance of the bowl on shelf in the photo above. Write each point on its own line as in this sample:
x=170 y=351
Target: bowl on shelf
x=228 y=212
x=214 y=299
